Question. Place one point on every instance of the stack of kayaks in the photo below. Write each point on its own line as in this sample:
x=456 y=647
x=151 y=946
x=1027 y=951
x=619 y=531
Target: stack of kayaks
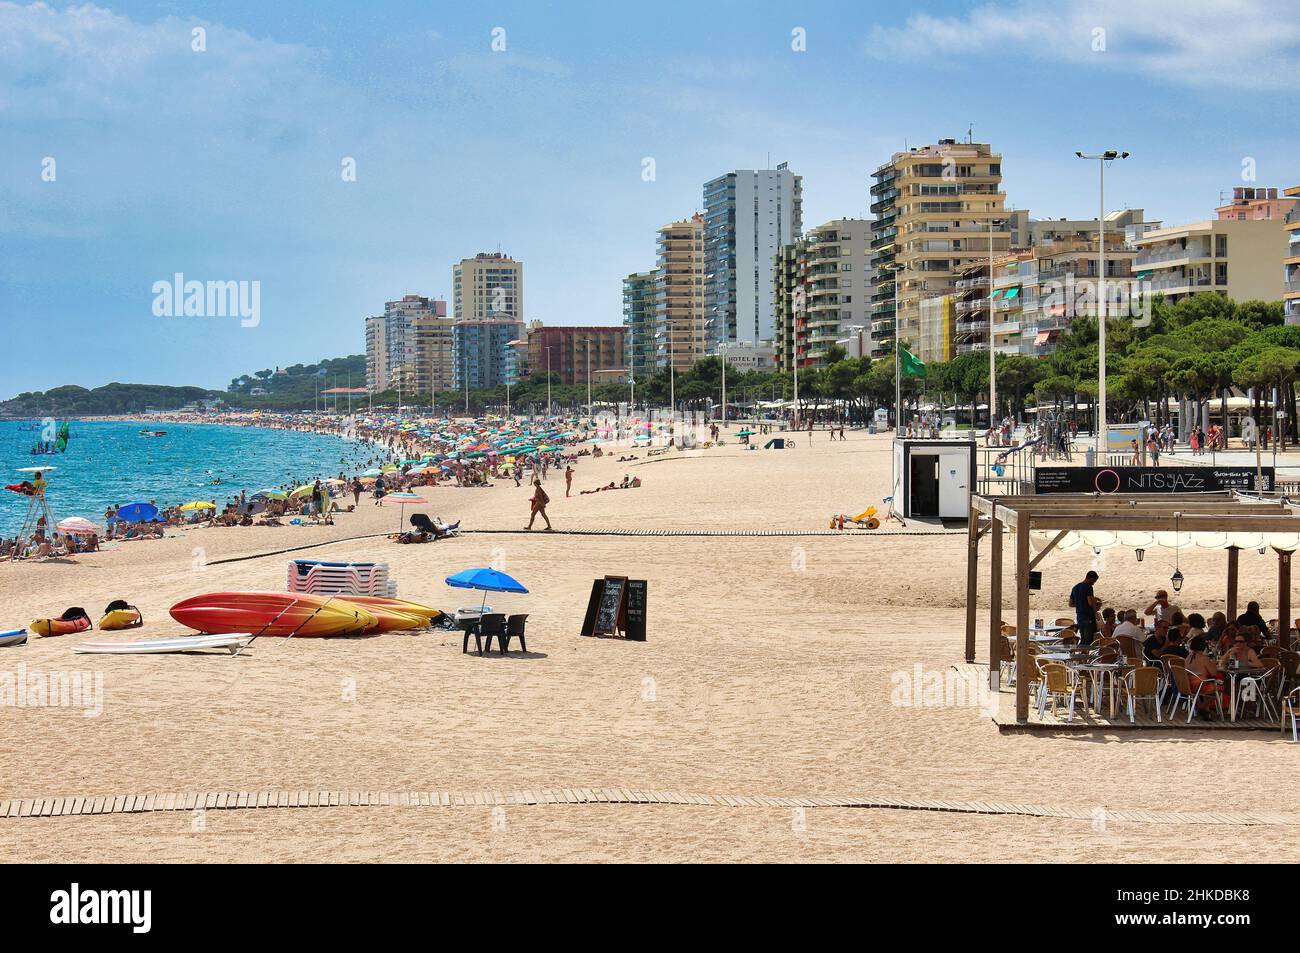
x=274 y=614
x=394 y=614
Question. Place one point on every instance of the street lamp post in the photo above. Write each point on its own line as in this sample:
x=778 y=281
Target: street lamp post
x=1102 y=158
x=723 y=348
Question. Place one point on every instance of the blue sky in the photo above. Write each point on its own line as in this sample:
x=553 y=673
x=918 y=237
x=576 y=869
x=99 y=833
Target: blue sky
x=226 y=164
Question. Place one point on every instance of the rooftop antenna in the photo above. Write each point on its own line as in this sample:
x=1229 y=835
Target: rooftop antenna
x=970 y=134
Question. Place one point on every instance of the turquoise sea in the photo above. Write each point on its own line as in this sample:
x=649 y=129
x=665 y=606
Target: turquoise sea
x=110 y=462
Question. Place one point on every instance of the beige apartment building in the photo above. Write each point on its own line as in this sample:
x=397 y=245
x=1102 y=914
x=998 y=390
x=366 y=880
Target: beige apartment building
x=488 y=286
x=376 y=354
x=1230 y=256
x=1291 y=261
x=680 y=325
x=1037 y=292
x=409 y=347
x=939 y=209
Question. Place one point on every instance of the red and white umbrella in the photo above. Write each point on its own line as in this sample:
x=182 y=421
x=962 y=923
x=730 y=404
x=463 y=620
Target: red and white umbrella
x=403 y=498
x=77 y=526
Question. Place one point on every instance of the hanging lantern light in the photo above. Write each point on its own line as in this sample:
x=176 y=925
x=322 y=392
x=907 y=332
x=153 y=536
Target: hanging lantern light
x=1176 y=580
x=1140 y=553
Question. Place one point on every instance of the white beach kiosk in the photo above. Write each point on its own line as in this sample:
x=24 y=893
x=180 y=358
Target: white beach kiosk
x=933 y=479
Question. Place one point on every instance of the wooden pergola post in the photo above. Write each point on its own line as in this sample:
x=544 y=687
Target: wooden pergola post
x=1284 y=599
x=1233 y=557
x=1022 y=617
x=972 y=579
x=995 y=602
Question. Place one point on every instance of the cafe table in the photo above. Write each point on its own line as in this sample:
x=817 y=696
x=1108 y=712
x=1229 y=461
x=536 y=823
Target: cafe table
x=1233 y=673
x=1097 y=672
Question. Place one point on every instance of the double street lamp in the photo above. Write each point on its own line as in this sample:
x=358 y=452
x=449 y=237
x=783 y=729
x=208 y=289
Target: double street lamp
x=1101 y=158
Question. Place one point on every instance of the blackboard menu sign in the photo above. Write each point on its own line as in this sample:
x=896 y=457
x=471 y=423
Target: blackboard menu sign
x=636 y=607
x=609 y=618
x=1148 y=479
x=617 y=606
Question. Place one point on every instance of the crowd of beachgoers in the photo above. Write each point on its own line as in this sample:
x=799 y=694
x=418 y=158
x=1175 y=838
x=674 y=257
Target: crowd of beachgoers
x=399 y=455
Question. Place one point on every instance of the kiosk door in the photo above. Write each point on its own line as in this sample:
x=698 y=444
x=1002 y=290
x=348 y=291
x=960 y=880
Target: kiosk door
x=924 y=483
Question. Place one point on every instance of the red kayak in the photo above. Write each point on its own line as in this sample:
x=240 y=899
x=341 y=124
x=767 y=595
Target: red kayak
x=272 y=613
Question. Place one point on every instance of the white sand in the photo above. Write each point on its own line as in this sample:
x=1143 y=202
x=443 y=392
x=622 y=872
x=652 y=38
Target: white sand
x=771 y=661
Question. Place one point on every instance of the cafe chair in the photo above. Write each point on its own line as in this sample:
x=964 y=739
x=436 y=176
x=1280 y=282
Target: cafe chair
x=1142 y=683
x=1058 y=682
x=1290 y=703
x=1208 y=688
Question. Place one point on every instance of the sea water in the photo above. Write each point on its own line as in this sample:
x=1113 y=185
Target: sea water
x=111 y=462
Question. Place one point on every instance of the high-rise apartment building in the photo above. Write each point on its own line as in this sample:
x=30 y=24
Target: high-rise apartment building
x=679 y=309
x=823 y=286
x=480 y=351
x=488 y=286
x=934 y=206
x=410 y=346
x=1291 y=261
x=748 y=215
x=376 y=354
x=639 y=319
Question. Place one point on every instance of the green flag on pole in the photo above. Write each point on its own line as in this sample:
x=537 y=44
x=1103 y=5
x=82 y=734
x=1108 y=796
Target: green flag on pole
x=909 y=364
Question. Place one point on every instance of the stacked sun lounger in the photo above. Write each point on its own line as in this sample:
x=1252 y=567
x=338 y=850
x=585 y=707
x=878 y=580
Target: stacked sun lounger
x=347 y=579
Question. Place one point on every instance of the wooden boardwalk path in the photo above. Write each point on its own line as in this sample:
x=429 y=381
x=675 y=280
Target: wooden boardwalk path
x=20 y=808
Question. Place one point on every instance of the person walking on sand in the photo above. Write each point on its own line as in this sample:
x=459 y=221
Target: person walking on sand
x=568 y=480
x=539 y=501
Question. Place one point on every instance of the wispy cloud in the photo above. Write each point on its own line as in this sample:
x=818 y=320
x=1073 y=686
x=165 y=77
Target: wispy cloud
x=1242 y=44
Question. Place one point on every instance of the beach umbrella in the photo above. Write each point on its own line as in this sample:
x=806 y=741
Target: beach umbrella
x=198 y=505
x=307 y=489
x=403 y=498
x=76 y=526
x=486 y=580
x=270 y=495
x=372 y=472
x=137 y=511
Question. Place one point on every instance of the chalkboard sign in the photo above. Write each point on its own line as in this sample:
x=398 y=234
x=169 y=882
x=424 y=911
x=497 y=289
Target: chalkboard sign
x=609 y=618
x=617 y=606
x=636 y=607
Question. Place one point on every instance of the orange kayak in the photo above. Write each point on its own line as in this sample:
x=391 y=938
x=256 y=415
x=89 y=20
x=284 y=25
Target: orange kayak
x=273 y=613
x=396 y=614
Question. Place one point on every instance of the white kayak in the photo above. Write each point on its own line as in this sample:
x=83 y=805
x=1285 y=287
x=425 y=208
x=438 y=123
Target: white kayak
x=186 y=643
x=13 y=637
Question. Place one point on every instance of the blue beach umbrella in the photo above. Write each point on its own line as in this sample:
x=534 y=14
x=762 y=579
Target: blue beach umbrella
x=486 y=580
x=137 y=511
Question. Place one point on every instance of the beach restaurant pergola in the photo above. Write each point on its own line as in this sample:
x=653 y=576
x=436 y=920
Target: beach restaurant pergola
x=1225 y=521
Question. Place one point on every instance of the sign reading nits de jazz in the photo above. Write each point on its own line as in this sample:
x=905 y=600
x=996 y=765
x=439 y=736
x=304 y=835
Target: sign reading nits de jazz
x=1148 y=479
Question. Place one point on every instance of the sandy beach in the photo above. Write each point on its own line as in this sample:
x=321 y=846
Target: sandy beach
x=767 y=674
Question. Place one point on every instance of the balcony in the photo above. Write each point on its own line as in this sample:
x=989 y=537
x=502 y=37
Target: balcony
x=1157 y=256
